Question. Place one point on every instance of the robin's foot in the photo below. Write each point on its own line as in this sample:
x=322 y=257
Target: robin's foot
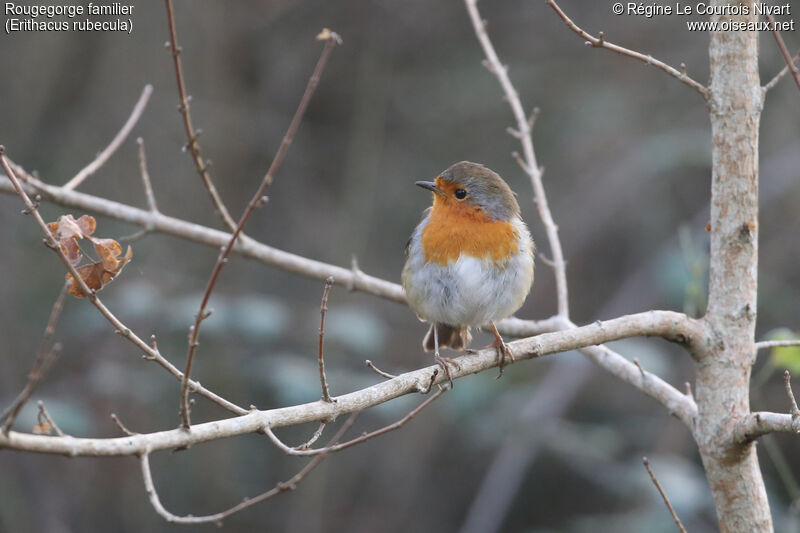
x=503 y=350
x=444 y=363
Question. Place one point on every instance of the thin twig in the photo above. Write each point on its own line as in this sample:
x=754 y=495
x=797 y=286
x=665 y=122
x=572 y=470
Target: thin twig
x=781 y=74
x=44 y=417
x=600 y=42
x=776 y=344
x=280 y=487
x=529 y=164
x=41 y=364
x=103 y=156
x=323 y=308
x=121 y=426
x=151 y=352
x=148 y=186
x=787 y=381
x=378 y=371
x=191 y=134
x=331 y=40
x=663 y=495
x=317 y=434
x=148 y=191
x=784 y=51
x=358 y=440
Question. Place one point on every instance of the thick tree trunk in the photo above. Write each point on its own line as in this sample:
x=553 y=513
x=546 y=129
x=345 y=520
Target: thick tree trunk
x=723 y=377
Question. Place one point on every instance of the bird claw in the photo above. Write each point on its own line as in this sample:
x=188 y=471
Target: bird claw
x=444 y=363
x=503 y=351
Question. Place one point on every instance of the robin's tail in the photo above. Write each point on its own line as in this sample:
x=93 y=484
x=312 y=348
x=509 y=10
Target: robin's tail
x=455 y=337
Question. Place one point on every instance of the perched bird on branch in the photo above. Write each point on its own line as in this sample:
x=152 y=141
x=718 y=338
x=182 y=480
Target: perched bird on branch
x=469 y=261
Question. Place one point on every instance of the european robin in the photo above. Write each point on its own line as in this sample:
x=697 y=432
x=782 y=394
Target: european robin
x=469 y=261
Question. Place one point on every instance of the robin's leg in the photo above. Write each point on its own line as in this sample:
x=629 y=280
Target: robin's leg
x=443 y=362
x=503 y=349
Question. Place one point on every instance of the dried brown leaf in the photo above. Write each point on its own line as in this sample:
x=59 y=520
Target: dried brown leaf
x=43 y=428
x=71 y=250
x=107 y=251
x=87 y=224
x=96 y=275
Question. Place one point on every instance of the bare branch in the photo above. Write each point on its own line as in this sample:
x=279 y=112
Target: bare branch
x=191 y=134
x=326 y=395
x=148 y=191
x=758 y=424
x=317 y=434
x=784 y=51
x=331 y=40
x=151 y=352
x=669 y=325
x=44 y=358
x=761 y=423
x=378 y=371
x=103 y=156
x=663 y=495
x=529 y=165
x=358 y=440
x=781 y=73
x=600 y=42
x=280 y=487
x=121 y=426
x=763 y=345
x=787 y=381
x=148 y=187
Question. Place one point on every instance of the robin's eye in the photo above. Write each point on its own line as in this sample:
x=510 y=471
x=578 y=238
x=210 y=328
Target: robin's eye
x=460 y=194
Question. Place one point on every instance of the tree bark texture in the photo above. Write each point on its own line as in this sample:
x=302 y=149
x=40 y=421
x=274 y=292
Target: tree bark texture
x=723 y=372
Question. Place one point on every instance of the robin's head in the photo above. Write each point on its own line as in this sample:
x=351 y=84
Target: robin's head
x=472 y=189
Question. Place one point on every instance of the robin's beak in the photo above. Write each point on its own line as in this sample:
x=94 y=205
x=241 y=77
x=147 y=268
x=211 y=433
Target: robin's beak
x=431 y=186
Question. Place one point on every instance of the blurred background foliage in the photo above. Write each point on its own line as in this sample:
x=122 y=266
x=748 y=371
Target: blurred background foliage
x=553 y=446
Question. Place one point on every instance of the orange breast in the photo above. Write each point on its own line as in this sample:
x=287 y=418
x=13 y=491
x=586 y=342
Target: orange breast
x=453 y=231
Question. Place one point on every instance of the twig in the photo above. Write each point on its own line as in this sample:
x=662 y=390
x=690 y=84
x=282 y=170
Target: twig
x=317 y=434
x=191 y=134
x=529 y=164
x=378 y=371
x=787 y=381
x=639 y=366
x=331 y=39
x=431 y=383
x=280 y=487
x=44 y=416
x=366 y=436
x=784 y=51
x=663 y=495
x=103 y=156
x=781 y=74
x=148 y=191
x=121 y=426
x=44 y=358
x=148 y=186
x=776 y=344
x=151 y=353
x=326 y=395
x=600 y=42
